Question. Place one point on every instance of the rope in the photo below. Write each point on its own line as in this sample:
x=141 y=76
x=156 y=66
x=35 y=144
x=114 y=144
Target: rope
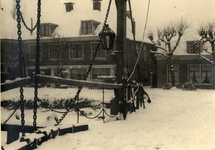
x=89 y=68
x=141 y=44
x=134 y=93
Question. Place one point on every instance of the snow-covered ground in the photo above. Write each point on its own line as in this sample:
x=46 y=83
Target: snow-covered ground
x=175 y=120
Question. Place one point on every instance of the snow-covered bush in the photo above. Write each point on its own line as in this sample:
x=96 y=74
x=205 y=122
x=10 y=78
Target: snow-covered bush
x=108 y=79
x=167 y=86
x=189 y=86
x=51 y=103
x=64 y=73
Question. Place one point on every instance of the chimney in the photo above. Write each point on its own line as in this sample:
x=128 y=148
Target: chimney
x=97 y=5
x=69 y=6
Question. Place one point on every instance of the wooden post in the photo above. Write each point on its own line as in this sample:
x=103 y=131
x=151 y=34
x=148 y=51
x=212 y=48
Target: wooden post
x=119 y=102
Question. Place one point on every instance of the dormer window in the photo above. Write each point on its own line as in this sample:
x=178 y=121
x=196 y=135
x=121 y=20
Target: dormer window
x=46 y=29
x=193 y=47
x=69 y=6
x=88 y=27
x=97 y=5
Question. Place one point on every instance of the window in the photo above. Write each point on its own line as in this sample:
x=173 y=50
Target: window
x=200 y=74
x=46 y=29
x=176 y=73
x=53 y=52
x=101 y=54
x=194 y=73
x=32 y=52
x=76 y=51
x=96 y=5
x=193 y=48
x=78 y=73
x=206 y=74
x=100 y=72
x=88 y=27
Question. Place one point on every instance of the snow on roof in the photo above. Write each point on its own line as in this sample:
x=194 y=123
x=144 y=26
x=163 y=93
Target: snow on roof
x=54 y=12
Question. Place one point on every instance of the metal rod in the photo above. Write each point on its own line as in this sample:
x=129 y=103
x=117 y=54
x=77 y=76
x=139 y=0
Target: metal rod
x=103 y=107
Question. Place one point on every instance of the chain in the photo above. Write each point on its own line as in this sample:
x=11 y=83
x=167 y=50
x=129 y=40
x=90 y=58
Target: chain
x=23 y=21
x=37 y=64
x=90 y=67
x=20 y=66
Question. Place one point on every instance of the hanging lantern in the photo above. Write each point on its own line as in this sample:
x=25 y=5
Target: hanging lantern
x=107 y=38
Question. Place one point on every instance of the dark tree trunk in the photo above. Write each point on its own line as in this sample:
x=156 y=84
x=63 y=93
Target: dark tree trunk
x=213 y=54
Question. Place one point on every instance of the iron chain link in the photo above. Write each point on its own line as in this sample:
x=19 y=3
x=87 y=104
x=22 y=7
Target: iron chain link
x=21 y=60
x=90 y=67
x=23 y=21
x=37 y=64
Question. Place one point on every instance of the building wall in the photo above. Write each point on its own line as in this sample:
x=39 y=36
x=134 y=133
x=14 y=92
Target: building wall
x=48 y=66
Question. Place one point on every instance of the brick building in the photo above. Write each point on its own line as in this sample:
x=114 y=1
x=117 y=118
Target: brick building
x=188 y=66
x=69 y=38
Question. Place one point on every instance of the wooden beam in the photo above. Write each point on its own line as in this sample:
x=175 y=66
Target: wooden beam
x=18 y=82
x=79 y=83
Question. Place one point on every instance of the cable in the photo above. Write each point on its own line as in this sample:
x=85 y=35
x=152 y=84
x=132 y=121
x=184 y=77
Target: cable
x=147 y=14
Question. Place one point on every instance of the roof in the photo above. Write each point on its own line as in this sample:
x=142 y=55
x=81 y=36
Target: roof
x=55 y=12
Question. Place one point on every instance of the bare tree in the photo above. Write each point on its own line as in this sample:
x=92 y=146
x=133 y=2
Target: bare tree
x=207 y=34
x=168 y=39
x=58 y=52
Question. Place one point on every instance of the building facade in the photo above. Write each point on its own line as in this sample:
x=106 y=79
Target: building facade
x=68 y=40
x=188 y=67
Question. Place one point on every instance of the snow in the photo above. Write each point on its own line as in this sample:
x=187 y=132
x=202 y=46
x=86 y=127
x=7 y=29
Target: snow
x=53 y=11
x=176 y=119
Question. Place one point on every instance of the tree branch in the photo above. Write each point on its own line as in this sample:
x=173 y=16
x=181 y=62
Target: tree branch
x=177 y=43
x=206 y=50
x=155 y=52
x=204 y=58
x=158 y=45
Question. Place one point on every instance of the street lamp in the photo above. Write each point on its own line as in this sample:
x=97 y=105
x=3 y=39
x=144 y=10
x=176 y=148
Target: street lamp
x=107 y=38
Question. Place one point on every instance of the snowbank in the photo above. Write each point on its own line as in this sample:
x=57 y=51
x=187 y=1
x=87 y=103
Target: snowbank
x=175 y=120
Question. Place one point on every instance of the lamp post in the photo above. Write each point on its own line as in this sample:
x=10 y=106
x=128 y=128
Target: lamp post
x=118 y=104
x=107 y=38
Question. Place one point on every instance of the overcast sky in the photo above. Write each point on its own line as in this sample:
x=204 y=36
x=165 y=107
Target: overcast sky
x=163 y=11
x=160 y=11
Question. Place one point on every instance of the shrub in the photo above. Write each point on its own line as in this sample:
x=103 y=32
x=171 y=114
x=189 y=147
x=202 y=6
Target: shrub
x=108 y=79
x=189 y=86
x=167 y=86
x=53 y=104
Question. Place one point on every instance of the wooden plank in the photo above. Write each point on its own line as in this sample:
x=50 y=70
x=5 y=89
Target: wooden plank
x=79 y=83
x=35 y=139
x=11 y=84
